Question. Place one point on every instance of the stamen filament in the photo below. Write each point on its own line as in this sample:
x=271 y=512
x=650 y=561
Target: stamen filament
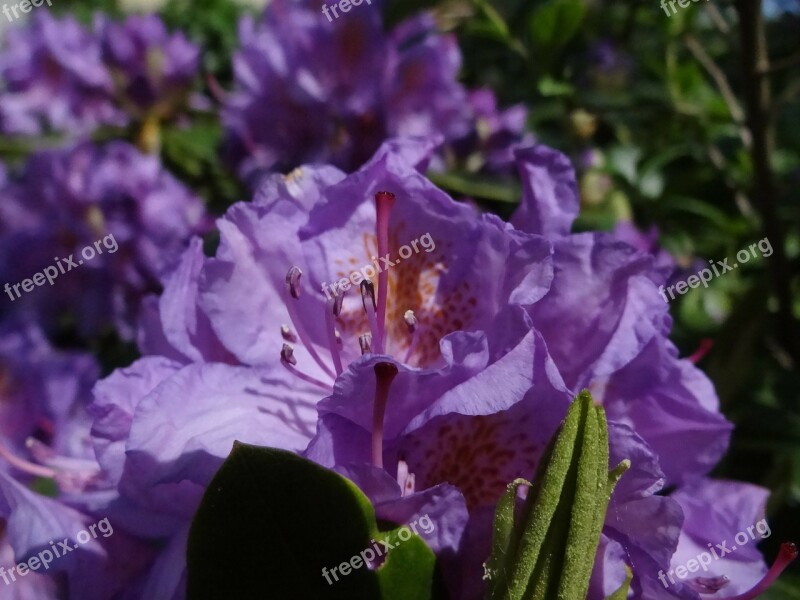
x=308 y=378
x=333 y=343
x=45 y=455
x=25 y=466
x=368 y=301
x=704 y=348
x=293 y=293
x=411 y=322
x=384 y=375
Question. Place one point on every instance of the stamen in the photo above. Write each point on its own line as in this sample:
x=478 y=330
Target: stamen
x=384 y=375
x=338 y=300
x=331 y=330
x=411 y=321
x=293 y=289
x=287 y=354
x=406 y=480
x=25 y=466
x=288 y=335
x=45 y=455
x=217 y=92
x=368 y=301
x=365 y=341
x=293 y=281
x=411 y=483
x=289 y=361
x=704 y=348
x=786 y=555
x=72 y=475
x=383 y=208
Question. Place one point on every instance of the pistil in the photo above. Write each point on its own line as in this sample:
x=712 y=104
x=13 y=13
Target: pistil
x=786 y=555
x=383 y=205
x=384 y=375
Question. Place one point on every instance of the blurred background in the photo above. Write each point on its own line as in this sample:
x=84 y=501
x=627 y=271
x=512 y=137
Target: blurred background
x=684 y=130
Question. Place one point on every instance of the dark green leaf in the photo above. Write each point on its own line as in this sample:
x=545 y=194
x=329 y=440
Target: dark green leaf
x=271 y=521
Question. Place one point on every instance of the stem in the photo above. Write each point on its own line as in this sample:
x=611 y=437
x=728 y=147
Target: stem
x=758 y=102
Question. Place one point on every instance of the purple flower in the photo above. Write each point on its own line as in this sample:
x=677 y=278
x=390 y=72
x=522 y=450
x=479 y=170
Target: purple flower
x=43 y=392
x=724 y=521
x=54 y=79
x=494 y=135
x=433 y=384
x=648 y=242
x=44 y=433
x=152 y=70
x=111 y=207
x=608 y=66
x=309 y=91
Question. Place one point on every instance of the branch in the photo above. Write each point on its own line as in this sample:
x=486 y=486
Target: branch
x=780 y=64
x=758 y=99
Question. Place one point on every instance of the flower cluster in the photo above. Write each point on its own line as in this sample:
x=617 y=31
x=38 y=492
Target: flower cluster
x=357 y=86
x=431 y=385
x=63 y=78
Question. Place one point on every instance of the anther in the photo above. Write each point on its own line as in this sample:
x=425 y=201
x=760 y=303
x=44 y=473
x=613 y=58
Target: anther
x=368 y=294
x=287 y=334
x=293 y=281
x=287 y=354
x=338 y=300
x=368 y=302
x=411 y=320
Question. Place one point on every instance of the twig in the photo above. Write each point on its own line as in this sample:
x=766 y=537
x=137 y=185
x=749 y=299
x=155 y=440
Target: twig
x=717 y=18
x=737 y=113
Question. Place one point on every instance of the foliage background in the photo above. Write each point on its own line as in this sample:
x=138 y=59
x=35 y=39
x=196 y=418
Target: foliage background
x=661 y=105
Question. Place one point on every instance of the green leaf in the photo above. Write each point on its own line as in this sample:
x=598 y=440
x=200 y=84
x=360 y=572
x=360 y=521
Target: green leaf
x=551 y=87
x=408 y=571
x=555 y=22
x=622 y=592
x=502 y=536
x=271 y=524
x=550 y=552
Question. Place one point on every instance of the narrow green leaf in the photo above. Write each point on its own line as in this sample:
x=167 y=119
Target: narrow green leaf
x=544 y=500
x=622 y=592
x=502 y=537
x=549 y=554
x=590 y=488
